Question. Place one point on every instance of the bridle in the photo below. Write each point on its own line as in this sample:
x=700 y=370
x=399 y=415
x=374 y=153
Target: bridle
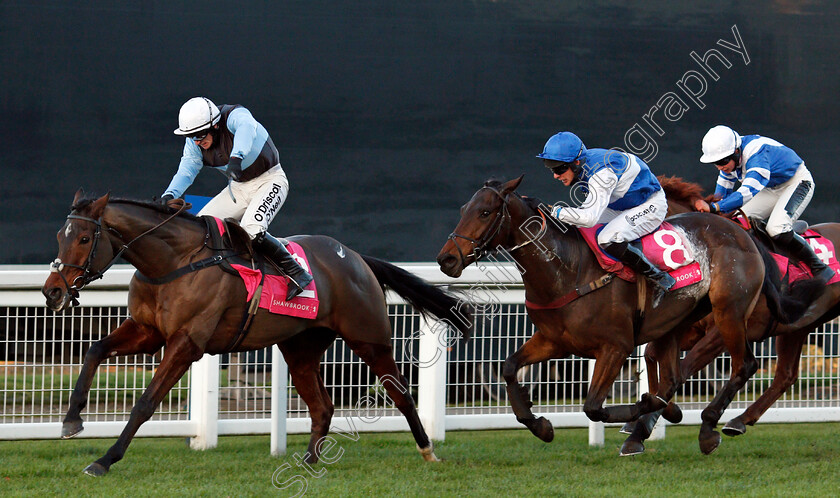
x=88 y=274
x=480 y=245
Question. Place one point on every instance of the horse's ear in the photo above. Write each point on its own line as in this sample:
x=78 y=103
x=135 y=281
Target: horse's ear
x=79 y=195
x=98 y=206
x=511 y=185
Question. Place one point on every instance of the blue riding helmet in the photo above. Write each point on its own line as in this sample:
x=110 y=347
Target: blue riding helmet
x=564 y=147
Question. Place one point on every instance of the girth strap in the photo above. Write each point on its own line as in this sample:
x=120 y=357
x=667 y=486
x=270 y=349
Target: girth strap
x=571 y=296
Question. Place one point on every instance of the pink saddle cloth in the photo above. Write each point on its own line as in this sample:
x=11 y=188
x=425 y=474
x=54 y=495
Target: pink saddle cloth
x=823 y=247
x=273 y=295
x=666 y=248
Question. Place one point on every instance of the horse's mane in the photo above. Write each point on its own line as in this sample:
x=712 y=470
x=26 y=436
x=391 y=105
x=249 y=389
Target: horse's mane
x=155 y=206
x=680 y=191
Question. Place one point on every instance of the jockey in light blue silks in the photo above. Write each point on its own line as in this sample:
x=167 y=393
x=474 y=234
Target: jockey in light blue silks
x=231 y=140
x=775 y=186
x=621 y=191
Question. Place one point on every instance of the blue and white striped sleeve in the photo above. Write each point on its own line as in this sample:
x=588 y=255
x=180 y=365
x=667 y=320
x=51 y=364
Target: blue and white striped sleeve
x=725 y=184
x=189 y=167
x=755 y=179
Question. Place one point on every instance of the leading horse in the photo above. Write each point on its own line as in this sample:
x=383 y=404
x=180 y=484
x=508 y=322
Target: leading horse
x=578 y=309
x=201 y=312
x=704 y=344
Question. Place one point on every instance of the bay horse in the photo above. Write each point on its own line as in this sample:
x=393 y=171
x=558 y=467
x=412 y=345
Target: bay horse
x=202 y=311
x=578 y=309
x=704 y=343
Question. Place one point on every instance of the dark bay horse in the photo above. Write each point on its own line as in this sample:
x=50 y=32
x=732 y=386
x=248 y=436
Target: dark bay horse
x=201 y=312
x=704 y=343
x=576 y=313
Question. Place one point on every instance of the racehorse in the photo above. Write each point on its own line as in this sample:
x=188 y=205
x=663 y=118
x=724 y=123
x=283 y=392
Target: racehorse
x=704 y=343
x=577 y=309
x=201 y=312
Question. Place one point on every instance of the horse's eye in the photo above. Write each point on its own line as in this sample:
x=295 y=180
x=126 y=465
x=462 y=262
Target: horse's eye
x=84 y=239
x=485 y=213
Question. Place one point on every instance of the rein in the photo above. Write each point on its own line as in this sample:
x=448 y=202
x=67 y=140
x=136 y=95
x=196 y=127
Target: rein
x=89 y=275
x=480 y=249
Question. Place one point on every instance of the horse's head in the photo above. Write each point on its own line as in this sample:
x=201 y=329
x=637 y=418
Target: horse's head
x=81 y=253
x=482 y=227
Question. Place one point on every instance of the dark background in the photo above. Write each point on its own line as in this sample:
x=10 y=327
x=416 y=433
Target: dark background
x=389 y=114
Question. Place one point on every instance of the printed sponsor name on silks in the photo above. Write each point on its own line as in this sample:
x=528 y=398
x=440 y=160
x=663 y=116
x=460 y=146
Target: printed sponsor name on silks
x=269 y=204
x=632 y=219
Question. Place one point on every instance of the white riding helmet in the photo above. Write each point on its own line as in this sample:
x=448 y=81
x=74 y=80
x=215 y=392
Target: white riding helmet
x=719 y=142
x=197 y=114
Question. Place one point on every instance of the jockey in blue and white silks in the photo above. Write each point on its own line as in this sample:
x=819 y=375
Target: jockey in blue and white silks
x=231 y=140
x=774 y=186
x=621 y=192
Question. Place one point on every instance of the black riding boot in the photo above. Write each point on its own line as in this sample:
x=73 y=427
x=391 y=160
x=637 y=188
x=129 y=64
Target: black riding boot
x=801 y=250
x=632 y=256
x=275 y=250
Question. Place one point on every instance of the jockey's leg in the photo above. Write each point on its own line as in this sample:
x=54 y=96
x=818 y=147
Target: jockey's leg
x=275 y=250
x=268 y=193
x=795 y=194
x=617 y=236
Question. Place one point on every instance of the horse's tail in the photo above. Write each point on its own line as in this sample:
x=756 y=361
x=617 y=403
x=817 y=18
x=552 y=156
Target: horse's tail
x=426 y=298
x=785 y=307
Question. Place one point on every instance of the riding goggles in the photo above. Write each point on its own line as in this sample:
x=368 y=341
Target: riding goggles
x=724 y=161
x=560 y=168
x=198 y=137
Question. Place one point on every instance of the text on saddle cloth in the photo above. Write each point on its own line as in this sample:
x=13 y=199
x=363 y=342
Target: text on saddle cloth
x=273 y=294
x=666 y=248
x=823 y=248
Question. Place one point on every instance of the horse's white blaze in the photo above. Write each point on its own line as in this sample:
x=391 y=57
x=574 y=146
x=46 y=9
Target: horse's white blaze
x=69 y=229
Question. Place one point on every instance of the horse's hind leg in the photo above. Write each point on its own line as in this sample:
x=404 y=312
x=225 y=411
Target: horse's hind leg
x=381 y=360
x=744 y=365
x=303 y=356
x=789 y=352
x=536 y=349
x=181 y=352
x=128 y=338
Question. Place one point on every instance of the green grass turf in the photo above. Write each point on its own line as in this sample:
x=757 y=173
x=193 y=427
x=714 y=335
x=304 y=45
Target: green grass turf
x=770 y=460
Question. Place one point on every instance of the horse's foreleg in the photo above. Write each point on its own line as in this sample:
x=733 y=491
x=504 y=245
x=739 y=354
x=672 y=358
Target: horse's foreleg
x=608 y=364
x=789 y=352
x=744 y=365
x=181 y=352
x=303 y=355
x=128 y=338
x=536 y=349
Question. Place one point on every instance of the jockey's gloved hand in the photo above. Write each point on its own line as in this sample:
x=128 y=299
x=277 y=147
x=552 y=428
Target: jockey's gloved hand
x=165 y=198
x=234 y=168
x=555 y=210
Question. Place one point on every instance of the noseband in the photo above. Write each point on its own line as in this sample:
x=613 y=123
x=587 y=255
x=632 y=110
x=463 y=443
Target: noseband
x=480 y=246
x=88 y=275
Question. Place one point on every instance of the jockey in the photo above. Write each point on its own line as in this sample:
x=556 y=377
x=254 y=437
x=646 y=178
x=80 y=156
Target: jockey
x=775 y=186
x=231 y=140
x=620 y=191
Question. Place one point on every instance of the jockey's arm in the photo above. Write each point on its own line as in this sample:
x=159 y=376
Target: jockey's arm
x=244 y=128
x=189 y=167
x=601 y=187
x=755 y=179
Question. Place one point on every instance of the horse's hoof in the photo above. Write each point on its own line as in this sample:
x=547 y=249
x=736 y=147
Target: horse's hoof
x=96 y=470
x=710 y=442
x=734 y=428
x=630 y=448
x=70 y=429
x=542 y=428
x=672 y=413
x=628 y=428
x=428 y=453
